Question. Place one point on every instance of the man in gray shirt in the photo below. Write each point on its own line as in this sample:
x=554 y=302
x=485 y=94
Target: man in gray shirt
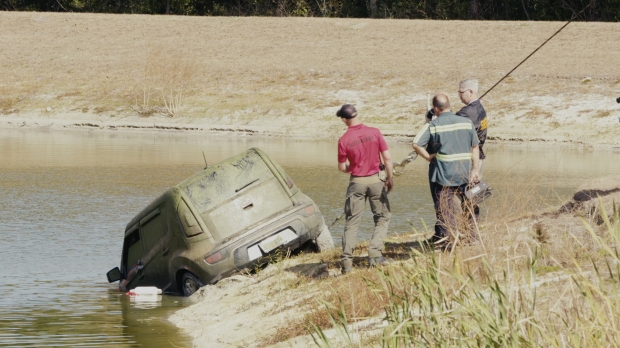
x=474 y=111
x=450 y=144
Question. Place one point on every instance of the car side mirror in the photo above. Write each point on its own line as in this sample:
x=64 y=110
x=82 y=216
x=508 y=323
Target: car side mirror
x=114 y=275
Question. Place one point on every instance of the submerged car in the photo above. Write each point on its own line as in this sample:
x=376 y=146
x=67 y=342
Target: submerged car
x=230 y=217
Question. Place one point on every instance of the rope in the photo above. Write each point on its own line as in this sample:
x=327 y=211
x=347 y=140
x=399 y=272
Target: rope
x=333 y=223
x=401 y=165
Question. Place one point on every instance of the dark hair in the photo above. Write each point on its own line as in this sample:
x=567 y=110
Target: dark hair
x=618 y=100
x=347 y=111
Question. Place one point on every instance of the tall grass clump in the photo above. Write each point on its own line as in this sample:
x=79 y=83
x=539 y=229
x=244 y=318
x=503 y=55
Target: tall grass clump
x=164 y=81
x=439 y=299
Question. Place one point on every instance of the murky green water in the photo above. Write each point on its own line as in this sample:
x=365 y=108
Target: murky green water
x=66 y=197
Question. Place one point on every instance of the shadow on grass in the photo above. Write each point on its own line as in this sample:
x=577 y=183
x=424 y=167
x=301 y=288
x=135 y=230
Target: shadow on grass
x=398 y=251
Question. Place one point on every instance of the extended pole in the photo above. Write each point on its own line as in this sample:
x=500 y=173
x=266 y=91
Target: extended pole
x=531 y=54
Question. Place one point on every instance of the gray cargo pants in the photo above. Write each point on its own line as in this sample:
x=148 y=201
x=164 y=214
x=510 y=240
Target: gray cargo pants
x=360 y=189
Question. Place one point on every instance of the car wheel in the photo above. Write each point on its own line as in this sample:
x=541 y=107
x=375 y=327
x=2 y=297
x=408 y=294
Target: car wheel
x=190 y=284
x=324 y=241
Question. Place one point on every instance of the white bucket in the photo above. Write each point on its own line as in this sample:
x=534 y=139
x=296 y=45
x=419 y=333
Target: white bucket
x=145 y=290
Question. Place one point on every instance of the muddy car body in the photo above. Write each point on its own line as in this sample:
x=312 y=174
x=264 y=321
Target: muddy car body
x=226 y=218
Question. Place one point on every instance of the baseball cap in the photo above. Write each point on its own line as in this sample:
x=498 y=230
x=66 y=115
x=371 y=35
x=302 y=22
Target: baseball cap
x=347 y=111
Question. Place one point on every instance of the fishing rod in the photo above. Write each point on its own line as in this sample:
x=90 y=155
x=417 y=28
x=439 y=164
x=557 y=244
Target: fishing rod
x=536 y=50
x=400 y=166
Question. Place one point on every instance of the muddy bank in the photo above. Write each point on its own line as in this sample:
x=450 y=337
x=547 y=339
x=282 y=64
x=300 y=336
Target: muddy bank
x=252 y=310
x=576 y=135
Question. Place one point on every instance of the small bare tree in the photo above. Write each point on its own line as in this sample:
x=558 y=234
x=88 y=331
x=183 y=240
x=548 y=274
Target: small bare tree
x=166 y=74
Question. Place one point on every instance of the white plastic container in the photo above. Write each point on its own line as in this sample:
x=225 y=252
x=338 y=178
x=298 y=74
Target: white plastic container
x=145 y=290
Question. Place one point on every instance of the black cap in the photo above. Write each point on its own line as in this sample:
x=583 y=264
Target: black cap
x=618 y=100
x=347 y=111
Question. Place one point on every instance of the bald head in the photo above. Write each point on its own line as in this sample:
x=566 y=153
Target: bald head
x=441 y=102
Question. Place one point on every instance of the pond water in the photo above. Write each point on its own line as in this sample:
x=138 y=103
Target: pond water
x=67 y=195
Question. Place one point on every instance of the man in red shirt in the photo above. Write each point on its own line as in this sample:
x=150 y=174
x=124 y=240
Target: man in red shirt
x=363 y=147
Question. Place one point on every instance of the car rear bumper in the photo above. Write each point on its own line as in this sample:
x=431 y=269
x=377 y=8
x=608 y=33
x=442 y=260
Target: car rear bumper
x=286 y=232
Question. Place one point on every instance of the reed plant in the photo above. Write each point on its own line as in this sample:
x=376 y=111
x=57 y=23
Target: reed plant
x=163 y=83
x=432 y=301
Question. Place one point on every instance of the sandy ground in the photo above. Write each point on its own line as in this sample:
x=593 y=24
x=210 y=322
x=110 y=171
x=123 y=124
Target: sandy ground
x=241 y=311
x=288 y=76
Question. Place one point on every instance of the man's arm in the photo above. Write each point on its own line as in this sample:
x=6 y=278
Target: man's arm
x=422 y=152
x=389 y=169
x=474 y=176
x=478 y=116
x=343 y=167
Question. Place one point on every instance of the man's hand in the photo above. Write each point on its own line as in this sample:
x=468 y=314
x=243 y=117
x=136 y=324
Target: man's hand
x=389 y=169
x=474 y=176
x=389 y=183
x=422 y=152
x=429 y=115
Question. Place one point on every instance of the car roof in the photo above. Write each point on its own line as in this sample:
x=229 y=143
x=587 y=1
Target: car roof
x=169 y=194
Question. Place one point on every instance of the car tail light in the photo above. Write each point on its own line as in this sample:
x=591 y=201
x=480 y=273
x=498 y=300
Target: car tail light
x=289 y=182
x=309 y=210
x=214 y=258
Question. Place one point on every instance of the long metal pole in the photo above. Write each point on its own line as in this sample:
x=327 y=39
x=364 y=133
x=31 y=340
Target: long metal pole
x=531 y=54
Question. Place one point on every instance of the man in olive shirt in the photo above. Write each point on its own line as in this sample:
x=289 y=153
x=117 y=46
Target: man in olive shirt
x=450 y=144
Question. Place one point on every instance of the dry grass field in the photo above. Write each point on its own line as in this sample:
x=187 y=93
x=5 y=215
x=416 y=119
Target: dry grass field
x=288 y=76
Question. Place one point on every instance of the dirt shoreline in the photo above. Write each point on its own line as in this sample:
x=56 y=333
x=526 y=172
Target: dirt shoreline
x=101 y=123
x=249 y=310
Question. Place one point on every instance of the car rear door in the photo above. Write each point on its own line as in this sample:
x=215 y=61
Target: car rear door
x=156 y=237
x=133 y=252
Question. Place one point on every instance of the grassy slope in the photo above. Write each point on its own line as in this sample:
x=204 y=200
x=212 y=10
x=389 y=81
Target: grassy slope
x=287 y=76
x=541 y=280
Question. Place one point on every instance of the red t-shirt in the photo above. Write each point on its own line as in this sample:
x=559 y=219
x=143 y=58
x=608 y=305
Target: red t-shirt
x=361 y=145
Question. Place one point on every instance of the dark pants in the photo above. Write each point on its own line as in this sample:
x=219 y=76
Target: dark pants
x=450 y=204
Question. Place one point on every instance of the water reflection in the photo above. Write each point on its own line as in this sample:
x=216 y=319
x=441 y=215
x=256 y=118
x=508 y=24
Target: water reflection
x=66 y=197
x=103 y=317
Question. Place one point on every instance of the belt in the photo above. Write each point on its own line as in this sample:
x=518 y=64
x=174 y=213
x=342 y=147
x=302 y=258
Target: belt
x=367 y=180
x=364 y=176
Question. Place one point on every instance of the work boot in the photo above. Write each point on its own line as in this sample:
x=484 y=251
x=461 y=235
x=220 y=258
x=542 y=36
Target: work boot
x=379 y=261
x=439 y=243
x=346 y=266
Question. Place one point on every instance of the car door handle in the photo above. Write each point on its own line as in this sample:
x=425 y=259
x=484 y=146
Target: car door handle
x=165 y=252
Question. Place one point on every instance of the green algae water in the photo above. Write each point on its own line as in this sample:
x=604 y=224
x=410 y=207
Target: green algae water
x=67 y=195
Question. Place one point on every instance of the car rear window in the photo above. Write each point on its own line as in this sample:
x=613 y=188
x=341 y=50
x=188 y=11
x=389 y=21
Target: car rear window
x=133 y=250
x=152 y=230
x=188 y=221
x=236 y=194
